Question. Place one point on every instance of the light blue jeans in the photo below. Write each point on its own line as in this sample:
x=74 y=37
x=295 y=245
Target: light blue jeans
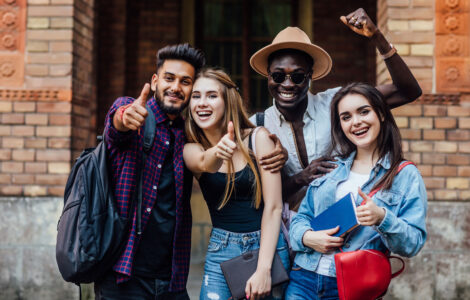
x=225 y=245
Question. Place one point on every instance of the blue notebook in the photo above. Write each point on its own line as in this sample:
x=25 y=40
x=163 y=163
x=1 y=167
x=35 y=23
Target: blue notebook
x=342 y=213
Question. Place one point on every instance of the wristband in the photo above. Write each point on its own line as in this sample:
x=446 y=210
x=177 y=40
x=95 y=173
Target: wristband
x=121 y=115
x=390 y=52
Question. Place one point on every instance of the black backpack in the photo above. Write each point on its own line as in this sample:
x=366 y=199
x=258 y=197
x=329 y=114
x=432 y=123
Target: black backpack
x=90 y=233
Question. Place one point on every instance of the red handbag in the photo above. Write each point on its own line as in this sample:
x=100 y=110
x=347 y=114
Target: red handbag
x=365 y=274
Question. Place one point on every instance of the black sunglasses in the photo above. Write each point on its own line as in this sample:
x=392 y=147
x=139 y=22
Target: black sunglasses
x=296 y=77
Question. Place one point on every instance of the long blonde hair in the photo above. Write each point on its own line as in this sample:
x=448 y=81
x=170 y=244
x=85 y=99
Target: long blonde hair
x=235 y=112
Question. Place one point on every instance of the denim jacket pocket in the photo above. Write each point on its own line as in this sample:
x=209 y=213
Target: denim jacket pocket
x=388 y=199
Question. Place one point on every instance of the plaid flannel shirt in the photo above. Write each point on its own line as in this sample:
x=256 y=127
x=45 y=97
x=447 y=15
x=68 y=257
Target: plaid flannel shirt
x=125 y=154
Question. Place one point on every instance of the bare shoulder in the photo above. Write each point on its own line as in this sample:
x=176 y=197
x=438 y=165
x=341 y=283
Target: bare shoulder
x=264 y=144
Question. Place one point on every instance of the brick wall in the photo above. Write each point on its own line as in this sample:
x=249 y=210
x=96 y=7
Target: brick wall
x=437 y=138
x=84 y=77
x=35 y=117
x=409 y=25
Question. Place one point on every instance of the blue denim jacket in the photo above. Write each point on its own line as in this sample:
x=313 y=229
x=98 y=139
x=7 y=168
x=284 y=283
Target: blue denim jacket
x=402 y=231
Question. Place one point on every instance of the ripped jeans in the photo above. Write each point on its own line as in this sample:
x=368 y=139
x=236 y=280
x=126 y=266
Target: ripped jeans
x=224 y=245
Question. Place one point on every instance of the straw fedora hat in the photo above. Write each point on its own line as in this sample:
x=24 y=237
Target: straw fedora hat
x=293 y=38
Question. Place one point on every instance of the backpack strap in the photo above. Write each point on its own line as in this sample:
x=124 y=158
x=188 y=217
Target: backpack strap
x=260 y=118
x=149 y=130
x=402 y=165
x=149 y=135
x=252 y=140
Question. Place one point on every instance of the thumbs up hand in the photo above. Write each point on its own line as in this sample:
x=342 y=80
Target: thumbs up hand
x=132 y=116
x=226 y=146
x=369 y=213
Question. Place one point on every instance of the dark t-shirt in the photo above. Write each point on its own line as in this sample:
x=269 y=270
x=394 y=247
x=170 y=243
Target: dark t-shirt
x=154 y=253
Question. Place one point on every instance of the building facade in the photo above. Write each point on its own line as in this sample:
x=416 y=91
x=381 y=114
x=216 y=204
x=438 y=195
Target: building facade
x=63 y=62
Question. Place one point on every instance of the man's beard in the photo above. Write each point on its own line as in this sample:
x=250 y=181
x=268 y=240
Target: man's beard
x=167 y=109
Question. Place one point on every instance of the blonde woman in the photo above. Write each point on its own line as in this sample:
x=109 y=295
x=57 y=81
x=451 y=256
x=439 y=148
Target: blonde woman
x=244 y=201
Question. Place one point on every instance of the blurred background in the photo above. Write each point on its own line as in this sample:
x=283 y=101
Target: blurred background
x=64 y=62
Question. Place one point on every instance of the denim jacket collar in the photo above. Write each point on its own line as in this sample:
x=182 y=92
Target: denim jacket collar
x=384 y=162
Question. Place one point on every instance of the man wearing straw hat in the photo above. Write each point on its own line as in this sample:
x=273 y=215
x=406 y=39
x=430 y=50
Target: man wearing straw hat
x=300 y=119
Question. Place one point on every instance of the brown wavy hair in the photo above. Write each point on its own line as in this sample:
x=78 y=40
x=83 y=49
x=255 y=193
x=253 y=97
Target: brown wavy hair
x=235 y=112
x=388 y=140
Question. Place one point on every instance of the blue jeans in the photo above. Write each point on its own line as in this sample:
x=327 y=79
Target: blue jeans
x=309 y=285
x=224 y=245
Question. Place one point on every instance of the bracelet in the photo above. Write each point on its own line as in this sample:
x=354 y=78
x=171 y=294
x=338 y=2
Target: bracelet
x=121 y=113
x=390 y=52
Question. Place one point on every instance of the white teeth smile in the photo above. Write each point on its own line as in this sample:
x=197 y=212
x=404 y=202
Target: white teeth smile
x=359 y=132
x=287 y=95
x=204 y=113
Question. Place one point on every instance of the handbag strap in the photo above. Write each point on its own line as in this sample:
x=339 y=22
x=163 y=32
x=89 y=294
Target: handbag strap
x=374 y=191
x=402 y=265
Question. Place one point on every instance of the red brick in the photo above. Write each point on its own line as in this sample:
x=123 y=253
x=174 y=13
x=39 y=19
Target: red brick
x=58 y=107
x=52 y=179
x=12 y=142
x=35 y=143
x=56 y=191
x=5 y=154
x=463 y=171
x=434 y=134
x=458 y=111
x=446 y=147
x=50 y=58
x=22 y=130
x=464 y=123
x=5 y=178
x=24 y=106
x=421 y=123
x=53 y=131
x=65 y=46
x=35 y=190
x=464 y=147
x=36 y=119
x=411 y=134
x=5 y=130
x=434 y=158
x=60 y=119
x=12 y=167
x=418 y=146
x=435 y=110
x=445 y=122
x=13 y=119
x=434 y=183
x=59 y=143
x=22 y=179
x=53 y=155
x=50 y=11
x=458 y=159
x=425 y=170
x=35 y=167
x=23 y=155
x=414 y=157
x=444 y=171
x=409 y=110
x=458 y=135
x=11 y=190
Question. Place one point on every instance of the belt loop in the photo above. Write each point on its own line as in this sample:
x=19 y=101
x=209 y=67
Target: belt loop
x=227 y=235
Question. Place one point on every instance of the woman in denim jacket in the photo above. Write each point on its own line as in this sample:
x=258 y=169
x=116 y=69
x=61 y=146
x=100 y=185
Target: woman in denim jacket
x=368 y=143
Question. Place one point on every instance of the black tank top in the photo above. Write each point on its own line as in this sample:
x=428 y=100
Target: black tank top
x=239 y=214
